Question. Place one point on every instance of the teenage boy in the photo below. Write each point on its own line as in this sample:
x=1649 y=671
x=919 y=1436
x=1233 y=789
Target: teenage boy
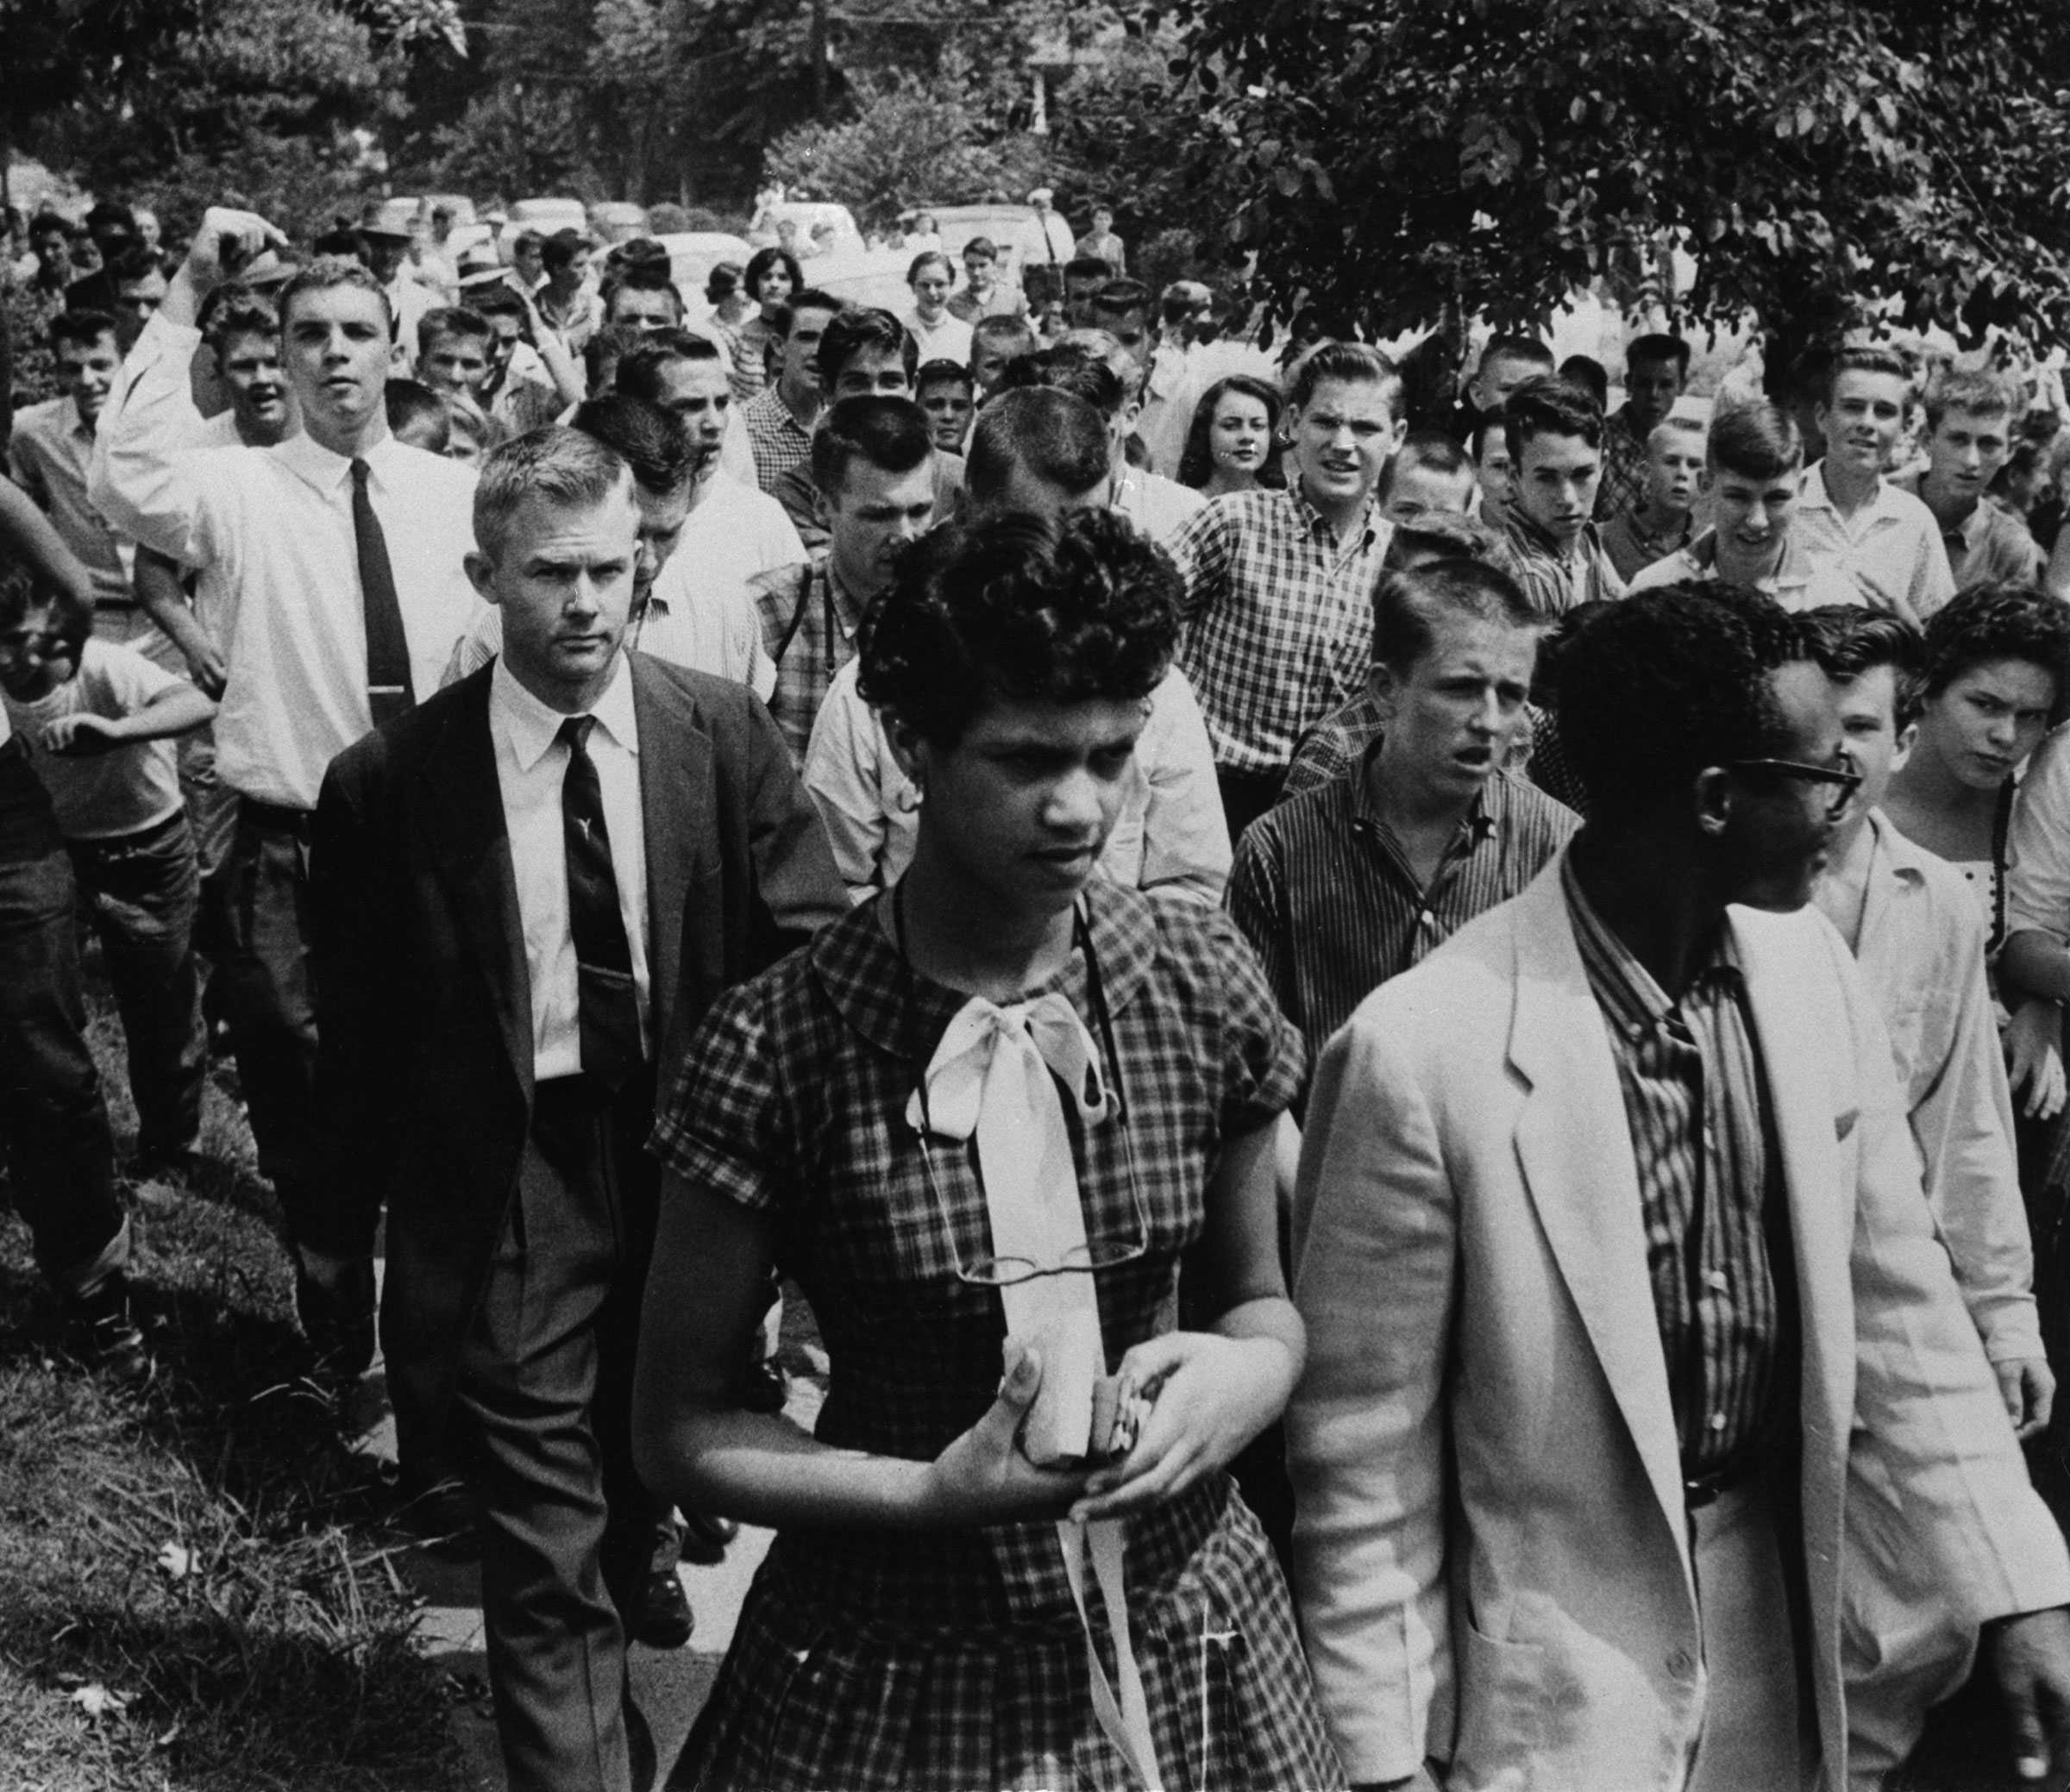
x=1488 y=444
x=1850 y=516
x=1122 y=309
x=779 y=418
x=994 y=341
x=1752 y=473
x=1663 y=521
x=1969 y=424
x=1083 y=275
x=1656 y=368
x=523 y=389
x=984 y=294
x=568 y=303
x=1279 y=582
x=1554 y=431
x=1429 y=474
x=1913 y=925
x=946 y=392
x=1506 y=363
x=100 y=721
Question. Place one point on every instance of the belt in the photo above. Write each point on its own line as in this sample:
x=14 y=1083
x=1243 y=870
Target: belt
x=275 y=817
x=1701 y=1490
x=125 y=846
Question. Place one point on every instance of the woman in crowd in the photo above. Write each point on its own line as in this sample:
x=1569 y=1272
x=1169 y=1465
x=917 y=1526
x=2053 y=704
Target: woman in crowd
x=773 y=276
x=1229 y=444
x=981 y=1119
x=724 y=293
x=941 y=333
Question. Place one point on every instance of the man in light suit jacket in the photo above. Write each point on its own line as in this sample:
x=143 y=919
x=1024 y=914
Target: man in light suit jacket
x=527 y=891
x=1631 y=1348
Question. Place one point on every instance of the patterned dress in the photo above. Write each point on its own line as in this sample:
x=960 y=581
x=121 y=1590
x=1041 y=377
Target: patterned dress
x=909 y=1661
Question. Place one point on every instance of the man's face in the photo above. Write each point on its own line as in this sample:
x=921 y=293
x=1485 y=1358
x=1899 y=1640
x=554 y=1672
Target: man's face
x=1967 y=451
x=563 y=579
x=1492 y=470
x=1779 y=829
x=801 y=349
x=1555 y=484
x=1868 y=723
x=989 y=358
x=1987 y=719
x=1651 y=388
x=148 y=229
x=1501 y=375
x=1078 y=290
x=1025 y=800
x=1674 y=469
x=1861 y=423
x=1452 y=715
x=948 y=405
x=873 y=516
x=250 y=364
x=53 y=251
x=647 y=308
x=568 y=280
x=881 y=371
x=524 y=257
x=456 y=363
x=35 y=654
x=337 y=346
x=931 y=288
x=505 y=332
x=1415 y=490
x=136 y=301
x=662 y=514
x=385 y=255
x=86 y=371
x=1131 y=329
x=1103 y=221
x=698 y=391
x=1342 y=437
x=1753 y=515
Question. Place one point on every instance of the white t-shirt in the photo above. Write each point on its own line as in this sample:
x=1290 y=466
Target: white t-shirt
x=105 y=795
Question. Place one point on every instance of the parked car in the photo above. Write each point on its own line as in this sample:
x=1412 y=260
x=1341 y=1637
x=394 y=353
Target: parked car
x=806 y=213
x=694 y=253
x=1002 y=224
x=459 y=204
x=616 y=220
x=398 y=214
x=548 y=215
x=866 y=277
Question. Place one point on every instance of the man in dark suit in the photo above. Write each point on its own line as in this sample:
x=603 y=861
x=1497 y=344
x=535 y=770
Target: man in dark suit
x=527 y=891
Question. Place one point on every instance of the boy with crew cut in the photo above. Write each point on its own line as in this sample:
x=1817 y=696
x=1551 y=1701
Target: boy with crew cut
x=1850 y=517
x=994 y=341
x=1752 y=466
x=1656 y=368
x=1969 y=426
x=1663 y=520
x=1506 y=363
x=1429 y=474
x=949 y=396
x=1554 y=432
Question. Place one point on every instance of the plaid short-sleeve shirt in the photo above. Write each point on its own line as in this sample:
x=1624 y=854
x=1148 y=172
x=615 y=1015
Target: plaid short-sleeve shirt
x=775 y=438
x=809 y=619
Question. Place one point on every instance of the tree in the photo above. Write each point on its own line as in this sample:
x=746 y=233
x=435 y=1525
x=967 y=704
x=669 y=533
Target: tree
x=1819 y=158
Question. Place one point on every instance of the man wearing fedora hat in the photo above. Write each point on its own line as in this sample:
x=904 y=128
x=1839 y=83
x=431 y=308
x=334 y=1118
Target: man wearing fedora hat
x=386 y=250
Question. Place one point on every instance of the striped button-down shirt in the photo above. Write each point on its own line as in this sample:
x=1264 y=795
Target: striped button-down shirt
x=1280 y=618
x=1325 y=893
x=1555 y=578
x=1708 y=1183
x=776 y=439
x=809 y=620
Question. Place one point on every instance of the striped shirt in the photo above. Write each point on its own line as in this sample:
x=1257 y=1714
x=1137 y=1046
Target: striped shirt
x=1325 y=893
x=1709 y=1187
x=1279 y=618
x=775 y=438
x=1555 y=578
x=809 y=620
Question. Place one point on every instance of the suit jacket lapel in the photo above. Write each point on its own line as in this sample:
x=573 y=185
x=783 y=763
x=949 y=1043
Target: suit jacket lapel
x=675 y=804
x=1575 y=1149
x=472 y=849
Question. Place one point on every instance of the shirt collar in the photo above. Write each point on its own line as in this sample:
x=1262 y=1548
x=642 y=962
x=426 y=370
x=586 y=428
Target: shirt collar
x=1526 y=529
x=1478 y=824
x=531 y=727
x=1894 y=851
x=1792 y=571
x=1314 y=522
x=1630 y=998
x=318 y=466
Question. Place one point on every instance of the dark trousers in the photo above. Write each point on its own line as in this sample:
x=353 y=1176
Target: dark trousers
x=1246 y=795
x=61 y=1156
x=270 y=1002
x=546 y=1387
x=138 y=892
x=212 y=808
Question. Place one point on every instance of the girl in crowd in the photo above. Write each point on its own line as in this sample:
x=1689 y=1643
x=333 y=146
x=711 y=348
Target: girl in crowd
x=981 y=1119
x=1229 y=444
x=773 y=276
x=942 y=334
x=729 y=313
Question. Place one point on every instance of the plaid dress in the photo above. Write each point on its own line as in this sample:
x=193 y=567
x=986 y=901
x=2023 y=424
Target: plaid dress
x=954 y=1659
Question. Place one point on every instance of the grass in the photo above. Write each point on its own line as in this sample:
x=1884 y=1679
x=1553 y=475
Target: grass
x=195 y=1590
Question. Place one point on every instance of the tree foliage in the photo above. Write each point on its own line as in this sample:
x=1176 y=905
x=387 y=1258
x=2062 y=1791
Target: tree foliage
x=1816 y=156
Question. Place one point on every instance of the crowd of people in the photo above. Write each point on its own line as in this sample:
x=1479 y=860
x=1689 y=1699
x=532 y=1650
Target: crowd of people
x=1407 y=1036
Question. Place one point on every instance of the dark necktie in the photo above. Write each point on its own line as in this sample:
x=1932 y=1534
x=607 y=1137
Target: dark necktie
x=607 y=1008
x=388 y=687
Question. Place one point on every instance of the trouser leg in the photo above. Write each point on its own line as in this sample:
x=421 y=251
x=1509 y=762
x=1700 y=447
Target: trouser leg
x=140 y=896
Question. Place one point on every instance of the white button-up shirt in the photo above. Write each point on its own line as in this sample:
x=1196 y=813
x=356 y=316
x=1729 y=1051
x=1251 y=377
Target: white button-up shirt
x=1890 y=547
x=271 y=530
x=531 y=765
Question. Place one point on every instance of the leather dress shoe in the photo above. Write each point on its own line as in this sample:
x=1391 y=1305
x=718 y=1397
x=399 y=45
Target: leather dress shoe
x=665 y=1620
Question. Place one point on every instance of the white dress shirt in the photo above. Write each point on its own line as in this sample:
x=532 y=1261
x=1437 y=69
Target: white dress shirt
x=271 y=530
x=531 y=765
x=1890 y=547
x=1155 y=504
x=1170 y=833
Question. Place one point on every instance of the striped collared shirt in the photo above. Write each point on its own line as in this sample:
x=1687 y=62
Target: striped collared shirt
x=1324 y=892
x=1710 y=1183
x=1280 y=618
x=1555 y=578
x=775 y=438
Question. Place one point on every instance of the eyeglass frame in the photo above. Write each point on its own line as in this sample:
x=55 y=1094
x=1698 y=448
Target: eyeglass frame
x=1848 y=780
x=1082 y=937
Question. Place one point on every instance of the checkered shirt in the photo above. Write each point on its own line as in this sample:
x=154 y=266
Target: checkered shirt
x=1556 y=580
x=1279 y=618
x=826 y=616
x=1624 y=461
x=775 y=438
x=1333 y=746
x=891 y=1659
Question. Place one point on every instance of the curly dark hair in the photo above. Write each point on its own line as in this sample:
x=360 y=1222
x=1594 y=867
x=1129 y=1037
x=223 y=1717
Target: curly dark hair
x=1654 y=688
x=1017 y=607
x=1998 y=622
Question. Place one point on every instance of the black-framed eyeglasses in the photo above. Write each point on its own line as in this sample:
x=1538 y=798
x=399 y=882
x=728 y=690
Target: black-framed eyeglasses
x=1844 y=780
x=999 y=1272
